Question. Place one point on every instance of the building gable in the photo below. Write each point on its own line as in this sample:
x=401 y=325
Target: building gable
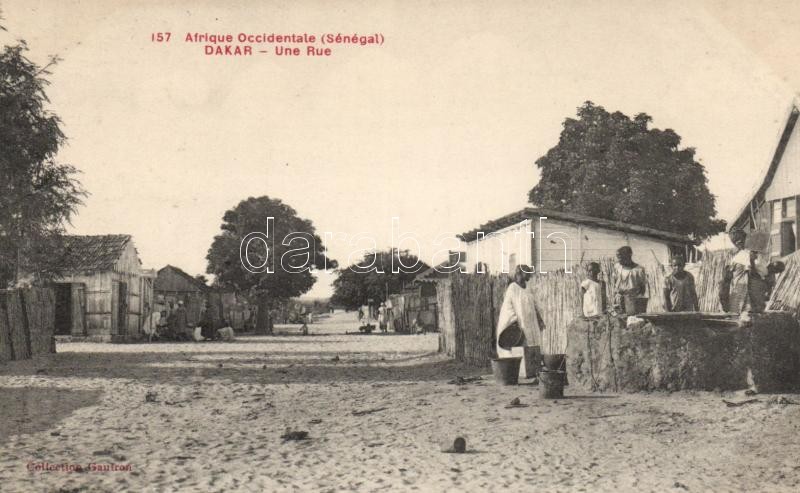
x=753 y=214
x=171 y=279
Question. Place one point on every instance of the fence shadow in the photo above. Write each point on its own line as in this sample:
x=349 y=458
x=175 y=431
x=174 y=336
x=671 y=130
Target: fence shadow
x=317 y=367
x=32 y=409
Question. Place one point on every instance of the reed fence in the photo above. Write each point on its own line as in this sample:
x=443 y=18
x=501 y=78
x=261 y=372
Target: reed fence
x=786 y=294
x=469 y=303
x=27 y=319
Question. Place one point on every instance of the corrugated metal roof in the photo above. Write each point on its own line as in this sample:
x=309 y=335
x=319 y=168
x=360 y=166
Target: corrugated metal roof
x=535 y=212
x=92 y=253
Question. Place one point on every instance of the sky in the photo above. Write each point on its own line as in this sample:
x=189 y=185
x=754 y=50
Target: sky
x=439 y=126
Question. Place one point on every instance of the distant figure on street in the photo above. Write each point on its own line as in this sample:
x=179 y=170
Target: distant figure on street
x=226 y=333
x=417 y=327
x=594 y=292
x=162 y=326
x=207 y=326
x=179 y=323
x=630 y=285
x=382 y=317
x=680 y=294
x=519 y=322
x=152 y=322
x=360 y=314
x=197 y=334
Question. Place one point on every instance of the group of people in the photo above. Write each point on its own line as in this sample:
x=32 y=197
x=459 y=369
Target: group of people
x=383 y=312
x=631 y=292
x=747 y=283
x=174 y=325
x=746 y=287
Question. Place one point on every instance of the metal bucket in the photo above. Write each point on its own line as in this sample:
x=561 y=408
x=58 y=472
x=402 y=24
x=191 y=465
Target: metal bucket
x=555 y=362
x=506 y=370
x=551 y=384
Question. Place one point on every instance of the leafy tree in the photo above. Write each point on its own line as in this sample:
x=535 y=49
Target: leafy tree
x=201 y=279
x=38 y=195
x=373 y=276
x=610 y=166
x=291 y=249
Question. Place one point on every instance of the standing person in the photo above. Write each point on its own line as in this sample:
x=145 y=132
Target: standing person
x=519 y=312
x=630 y=285
x=382 y=317
x=360 y=313
x=207 y=326
x=760 y=288
x=152 y=322
x=180 y=323
x=594 y=292
x=745 y=270
x=680 y=294
x=773 y=269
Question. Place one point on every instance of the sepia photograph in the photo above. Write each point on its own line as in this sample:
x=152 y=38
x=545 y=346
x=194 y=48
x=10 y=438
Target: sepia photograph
x=401 y=246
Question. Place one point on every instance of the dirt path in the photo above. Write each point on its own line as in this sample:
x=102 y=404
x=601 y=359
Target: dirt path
x=376 y=409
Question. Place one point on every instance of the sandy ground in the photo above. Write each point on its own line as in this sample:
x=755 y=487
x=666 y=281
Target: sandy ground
x=220 y=409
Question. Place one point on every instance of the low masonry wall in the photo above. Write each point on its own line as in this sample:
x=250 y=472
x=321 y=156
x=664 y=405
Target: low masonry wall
x=689 y=352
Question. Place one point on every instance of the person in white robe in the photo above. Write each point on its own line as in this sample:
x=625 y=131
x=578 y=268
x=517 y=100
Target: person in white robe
x=519 y=308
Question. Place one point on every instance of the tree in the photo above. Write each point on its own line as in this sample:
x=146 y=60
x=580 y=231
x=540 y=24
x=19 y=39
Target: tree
x=38 y=195
x=291 y=248
x=373 y=276
x=201 y=279
x=607 y=165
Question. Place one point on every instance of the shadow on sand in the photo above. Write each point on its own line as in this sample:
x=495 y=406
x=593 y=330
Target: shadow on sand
x=247 y=367
x=32 y=409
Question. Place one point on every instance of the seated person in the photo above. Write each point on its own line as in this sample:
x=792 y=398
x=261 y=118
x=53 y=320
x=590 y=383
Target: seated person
x=680 y=294
x=226 y=334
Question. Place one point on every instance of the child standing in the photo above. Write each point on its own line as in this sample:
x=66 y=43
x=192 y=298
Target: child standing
x=594 y=292
x=680 y=294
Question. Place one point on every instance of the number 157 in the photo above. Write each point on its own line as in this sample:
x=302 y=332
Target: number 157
x=160 y=37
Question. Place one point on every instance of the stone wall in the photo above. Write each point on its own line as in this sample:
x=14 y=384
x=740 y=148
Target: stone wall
x=605 y=354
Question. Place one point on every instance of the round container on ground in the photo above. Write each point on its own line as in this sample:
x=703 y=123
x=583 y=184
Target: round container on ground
x=506 y=370
x=551 y=384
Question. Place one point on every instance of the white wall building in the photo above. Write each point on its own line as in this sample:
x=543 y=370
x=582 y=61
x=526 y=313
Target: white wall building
x=550 y=240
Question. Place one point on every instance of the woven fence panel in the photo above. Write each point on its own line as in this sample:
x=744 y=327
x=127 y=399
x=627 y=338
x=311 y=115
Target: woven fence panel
x=474 y=320
x=6 y=352
x=447 y=328
x=17 y=325
x=786 y=295
x=40 y=314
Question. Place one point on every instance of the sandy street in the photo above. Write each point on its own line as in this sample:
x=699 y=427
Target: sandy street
x=209 y=417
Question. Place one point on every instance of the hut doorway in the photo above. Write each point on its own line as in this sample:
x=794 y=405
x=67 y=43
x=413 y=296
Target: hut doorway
x=122 y=310
x=788 y=238
x=63 y=316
